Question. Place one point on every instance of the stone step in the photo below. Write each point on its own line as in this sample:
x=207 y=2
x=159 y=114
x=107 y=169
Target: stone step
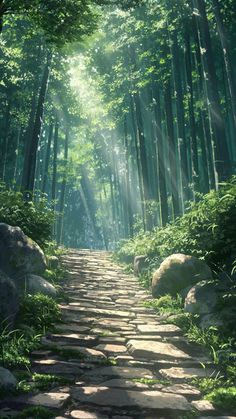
x=151 y=399
x=155 y=350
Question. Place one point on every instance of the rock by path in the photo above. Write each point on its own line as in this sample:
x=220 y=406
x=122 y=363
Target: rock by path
x=122 y=360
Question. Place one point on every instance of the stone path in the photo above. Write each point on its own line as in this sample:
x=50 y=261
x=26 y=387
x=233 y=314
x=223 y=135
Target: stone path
x=122 y=360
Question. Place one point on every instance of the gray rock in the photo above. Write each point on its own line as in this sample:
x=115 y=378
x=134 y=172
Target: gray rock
x=52 y=400
x=201 y=299
x=7 y=379
x=177 y=272
x=105 y=396
x=9 y=302
x=209 y=320
x=140 y=263
x=34 y=284
x=18 y=253
x=155 y=350
x=53 y=262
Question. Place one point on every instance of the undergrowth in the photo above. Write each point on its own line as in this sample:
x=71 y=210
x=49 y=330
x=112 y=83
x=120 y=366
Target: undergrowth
x=207 y=230
x=34 y=218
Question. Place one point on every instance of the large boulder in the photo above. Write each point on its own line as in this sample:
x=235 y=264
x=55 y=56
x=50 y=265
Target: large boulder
x=202 y=298
x=140 y=264
x=34 y=284
x=9 y=302
x=7 y=379
x=178 y=272
x=18 y=253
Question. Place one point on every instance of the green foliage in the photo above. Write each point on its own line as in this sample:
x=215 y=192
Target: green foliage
x=15 y=347
x=207 y=230
x=166 y=304
x=151 y=382
x=39 y=312
x=44 y=382
x=35 y=219
x=223 y=398
x=36 y=413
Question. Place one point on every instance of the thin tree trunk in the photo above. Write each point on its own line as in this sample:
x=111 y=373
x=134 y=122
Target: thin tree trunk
x=127 y=179
x=227 y=59
x=192 y=122
x=172 y=150
x=47 y=158
x=222 y=163
x=54 y=170
x=30 y=177
x=160 y=158
x=180 y=117
x=134 y=126
x=14 y=179
x=63 y=187
x=143 y=159
x=5 y=140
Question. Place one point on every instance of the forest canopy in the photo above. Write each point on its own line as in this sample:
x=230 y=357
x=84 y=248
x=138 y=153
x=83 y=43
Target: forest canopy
x=127 y=124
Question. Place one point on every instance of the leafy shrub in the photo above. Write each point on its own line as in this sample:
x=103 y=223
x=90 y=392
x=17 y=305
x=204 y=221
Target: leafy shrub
x=39 y=312
x=207 y=230
x=35 y=219
x=36 y=413
x=223 y=398
x=166 y=304
x=15 y=348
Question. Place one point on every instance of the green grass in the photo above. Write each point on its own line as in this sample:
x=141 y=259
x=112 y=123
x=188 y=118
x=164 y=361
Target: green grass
x=45 y=382
x=223 y=399
x=166 y=305
x=151 y=382
x=36 y=413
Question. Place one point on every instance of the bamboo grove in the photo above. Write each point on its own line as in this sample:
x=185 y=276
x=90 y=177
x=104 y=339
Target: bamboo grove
x=119 y=130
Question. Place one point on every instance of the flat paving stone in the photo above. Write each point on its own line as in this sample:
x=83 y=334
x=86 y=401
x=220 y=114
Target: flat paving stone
x=74 y=339
x=178 y=373
x=83 y=414
x=124 y=372
x=203 y=406
x=155 y=350
x=51 y=400
x=52 y=366
x=121 y=383
x=97 y=311
x=162 y=329
x=111 y=348
x=184 y=389
x=72 y=328
x=105 y=396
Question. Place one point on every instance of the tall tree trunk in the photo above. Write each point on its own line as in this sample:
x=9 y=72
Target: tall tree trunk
x=160 y=158
x=137 y=153
x=143 y=159
x=5 y=140
x=227 y=58
x=222 y=163
x=172 y=150
x=192 y=122
x=127 y=180
x=63 y=187
x=47 y=158
x=180 y=117
x=30 y=176
x=14 y=178
x=54 y=170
